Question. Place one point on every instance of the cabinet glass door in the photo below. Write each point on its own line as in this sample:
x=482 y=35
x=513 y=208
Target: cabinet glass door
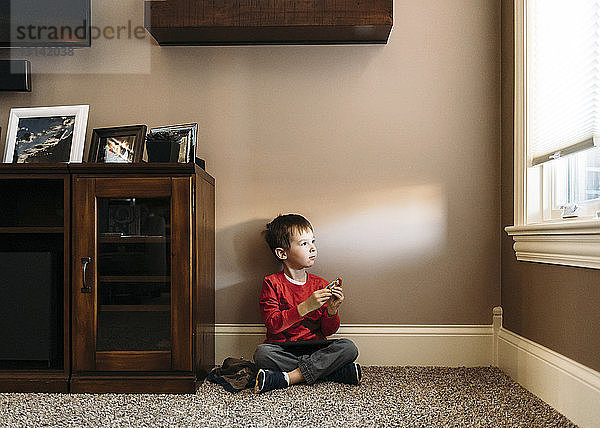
x=132 y=274
x=134 y=281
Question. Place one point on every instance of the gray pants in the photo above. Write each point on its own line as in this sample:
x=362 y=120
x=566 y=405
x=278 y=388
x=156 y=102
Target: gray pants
x=315 y=361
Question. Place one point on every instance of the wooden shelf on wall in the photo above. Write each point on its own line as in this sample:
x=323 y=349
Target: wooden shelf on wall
x=242 y=22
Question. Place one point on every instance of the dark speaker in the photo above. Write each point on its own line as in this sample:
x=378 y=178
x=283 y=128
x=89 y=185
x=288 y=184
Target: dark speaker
x=15 y=75
x=27 y=324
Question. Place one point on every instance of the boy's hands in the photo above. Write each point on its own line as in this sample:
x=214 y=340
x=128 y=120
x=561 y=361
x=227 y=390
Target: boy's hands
x=336 y=300
x=315 y=301
x=334 y=296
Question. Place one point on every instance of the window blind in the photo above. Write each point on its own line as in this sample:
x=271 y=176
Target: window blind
x=563 y=77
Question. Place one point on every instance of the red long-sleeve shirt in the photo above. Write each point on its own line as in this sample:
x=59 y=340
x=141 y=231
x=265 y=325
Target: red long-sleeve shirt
x=279 y=299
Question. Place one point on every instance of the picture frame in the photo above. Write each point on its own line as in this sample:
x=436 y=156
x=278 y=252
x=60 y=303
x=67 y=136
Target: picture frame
x=183 y=135
x=46 y=134
x=120 y=144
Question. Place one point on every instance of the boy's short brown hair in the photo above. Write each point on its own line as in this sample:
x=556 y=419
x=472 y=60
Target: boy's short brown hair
x=280 y=231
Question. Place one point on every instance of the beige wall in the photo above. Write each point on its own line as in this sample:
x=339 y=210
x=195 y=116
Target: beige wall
x=391 y=150
x=552 y=305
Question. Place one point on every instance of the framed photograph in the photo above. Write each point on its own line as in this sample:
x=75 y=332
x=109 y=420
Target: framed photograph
x=46 y=134
x=121 y=144
x=173 y=143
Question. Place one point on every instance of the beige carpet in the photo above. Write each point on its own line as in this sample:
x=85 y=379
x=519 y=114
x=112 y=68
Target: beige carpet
x=387 y=397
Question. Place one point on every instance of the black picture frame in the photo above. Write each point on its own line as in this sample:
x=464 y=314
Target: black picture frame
x=172 y=143
x=119 y=144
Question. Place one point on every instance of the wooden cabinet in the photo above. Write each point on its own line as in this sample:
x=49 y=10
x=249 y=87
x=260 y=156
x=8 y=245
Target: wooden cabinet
x=141 y=264
x=207 y=22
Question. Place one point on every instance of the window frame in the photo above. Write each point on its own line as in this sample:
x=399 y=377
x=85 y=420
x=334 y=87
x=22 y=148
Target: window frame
x=571 y=242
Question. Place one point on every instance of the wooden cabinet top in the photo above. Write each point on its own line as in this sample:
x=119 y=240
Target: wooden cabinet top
x=129 y=169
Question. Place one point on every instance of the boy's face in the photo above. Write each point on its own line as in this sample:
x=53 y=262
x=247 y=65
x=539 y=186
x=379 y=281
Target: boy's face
x=302 y=252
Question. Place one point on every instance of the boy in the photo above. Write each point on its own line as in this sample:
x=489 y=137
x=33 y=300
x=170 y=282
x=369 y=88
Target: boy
x=300 y=311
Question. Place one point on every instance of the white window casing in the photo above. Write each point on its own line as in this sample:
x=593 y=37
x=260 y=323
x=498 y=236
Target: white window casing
x=572 y=242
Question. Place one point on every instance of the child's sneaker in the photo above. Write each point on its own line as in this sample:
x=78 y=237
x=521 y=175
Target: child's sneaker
x=268 y=380
x=350 y=373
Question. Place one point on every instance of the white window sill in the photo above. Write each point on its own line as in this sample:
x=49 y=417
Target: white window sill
x=567 y=242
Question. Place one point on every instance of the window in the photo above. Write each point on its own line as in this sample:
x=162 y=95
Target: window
x=568 y=182
x=557 y=132
x=576 y=180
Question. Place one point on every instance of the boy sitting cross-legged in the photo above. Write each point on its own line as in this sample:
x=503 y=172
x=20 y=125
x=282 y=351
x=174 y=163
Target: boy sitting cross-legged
x=299 y=312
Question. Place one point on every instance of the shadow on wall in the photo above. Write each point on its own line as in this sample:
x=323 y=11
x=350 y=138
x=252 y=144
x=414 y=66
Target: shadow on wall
x=243 y=260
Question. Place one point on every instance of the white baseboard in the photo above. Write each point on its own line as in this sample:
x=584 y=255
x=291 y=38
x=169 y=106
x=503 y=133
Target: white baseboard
x=383 y=345
x=571 y=388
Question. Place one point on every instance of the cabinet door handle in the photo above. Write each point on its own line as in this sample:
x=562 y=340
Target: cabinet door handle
x=84 y=262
